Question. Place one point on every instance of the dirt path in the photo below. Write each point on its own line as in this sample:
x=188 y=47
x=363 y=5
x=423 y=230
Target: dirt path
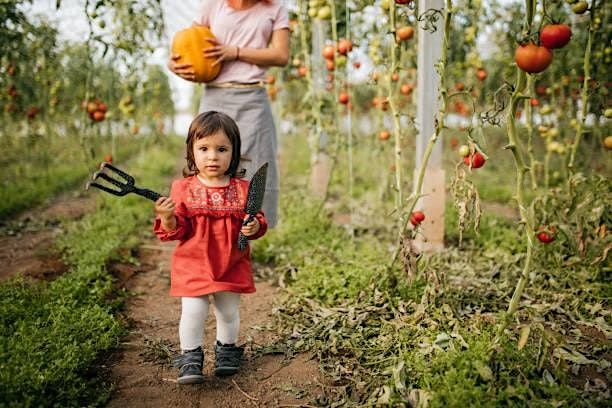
x=26 y=242
x=144 y=378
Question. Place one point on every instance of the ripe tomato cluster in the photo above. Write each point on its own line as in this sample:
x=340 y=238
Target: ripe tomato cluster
x=473 y=160
x=534 y=58
x=96 y=109
x=417 y=217
x=546 y=235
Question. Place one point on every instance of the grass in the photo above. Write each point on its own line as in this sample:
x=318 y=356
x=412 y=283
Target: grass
x=38 y=167
x=53 y=333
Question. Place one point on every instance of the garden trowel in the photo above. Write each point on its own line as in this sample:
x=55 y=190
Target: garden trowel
x=255 y=196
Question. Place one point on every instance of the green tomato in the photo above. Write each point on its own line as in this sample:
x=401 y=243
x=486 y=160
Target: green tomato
x=464 y=150
x=608 y=113
x=324 y=13
x=580 y=7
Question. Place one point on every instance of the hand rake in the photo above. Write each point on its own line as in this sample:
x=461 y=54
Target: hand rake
x=125 y=187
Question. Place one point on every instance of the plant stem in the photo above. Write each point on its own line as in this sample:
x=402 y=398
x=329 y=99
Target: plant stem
x=521 y=169
x=439 y=125
x=584 y=96
x=530 y=132
x=394 y=109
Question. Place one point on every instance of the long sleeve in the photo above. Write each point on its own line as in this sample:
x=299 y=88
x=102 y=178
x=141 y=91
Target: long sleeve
x=183 y=223
x=263 y=226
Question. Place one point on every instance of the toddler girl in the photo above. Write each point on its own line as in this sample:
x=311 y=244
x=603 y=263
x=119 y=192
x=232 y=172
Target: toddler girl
x=204 y=213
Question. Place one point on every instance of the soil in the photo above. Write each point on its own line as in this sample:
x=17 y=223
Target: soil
x=142 y=373
x=26 y=243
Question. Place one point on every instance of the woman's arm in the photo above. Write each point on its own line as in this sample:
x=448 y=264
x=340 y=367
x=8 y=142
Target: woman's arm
x=277 y=53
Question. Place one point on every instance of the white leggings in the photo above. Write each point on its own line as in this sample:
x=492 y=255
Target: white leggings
x=195 y=311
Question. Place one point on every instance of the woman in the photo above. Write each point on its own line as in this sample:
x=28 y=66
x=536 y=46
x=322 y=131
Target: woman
x=252 y=35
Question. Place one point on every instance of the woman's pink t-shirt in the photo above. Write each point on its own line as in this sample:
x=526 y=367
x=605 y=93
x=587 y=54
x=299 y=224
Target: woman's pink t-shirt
x=250 y=28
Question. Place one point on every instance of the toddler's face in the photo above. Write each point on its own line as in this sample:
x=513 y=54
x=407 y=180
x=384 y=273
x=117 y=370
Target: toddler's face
x=213 y=155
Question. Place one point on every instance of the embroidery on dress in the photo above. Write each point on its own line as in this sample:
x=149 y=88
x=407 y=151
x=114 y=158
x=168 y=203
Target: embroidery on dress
x=230 y=198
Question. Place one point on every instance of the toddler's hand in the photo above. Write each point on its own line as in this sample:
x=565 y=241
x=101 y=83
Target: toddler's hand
x=164 y=207
x=251 y=228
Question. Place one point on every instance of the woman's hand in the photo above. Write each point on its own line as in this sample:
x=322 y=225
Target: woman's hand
x=221 y=52
x=185 y=71
x=251 y=228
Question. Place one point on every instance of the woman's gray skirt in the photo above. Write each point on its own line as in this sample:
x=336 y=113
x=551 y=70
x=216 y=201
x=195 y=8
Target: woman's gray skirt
x=250 y=108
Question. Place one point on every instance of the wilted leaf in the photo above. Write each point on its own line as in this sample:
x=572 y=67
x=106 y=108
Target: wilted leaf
x=523 y=337
x=385 y=395
x=419 y=398
x=442 y=340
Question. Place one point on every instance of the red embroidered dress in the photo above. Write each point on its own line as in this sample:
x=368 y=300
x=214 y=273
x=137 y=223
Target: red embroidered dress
x=209 y=219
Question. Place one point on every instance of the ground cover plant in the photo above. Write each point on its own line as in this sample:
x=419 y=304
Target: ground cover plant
x=54 y=333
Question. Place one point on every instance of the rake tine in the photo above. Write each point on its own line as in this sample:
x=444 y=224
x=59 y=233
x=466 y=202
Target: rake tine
x=111 y=180
x=129 y=179
x=104 y=188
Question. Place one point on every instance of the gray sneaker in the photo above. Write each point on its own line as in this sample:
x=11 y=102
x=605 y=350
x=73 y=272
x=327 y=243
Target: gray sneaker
x=228 y=359
x=190 y=366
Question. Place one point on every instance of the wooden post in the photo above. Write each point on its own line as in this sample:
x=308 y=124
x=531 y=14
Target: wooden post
x=320 y=161
x=433 y=200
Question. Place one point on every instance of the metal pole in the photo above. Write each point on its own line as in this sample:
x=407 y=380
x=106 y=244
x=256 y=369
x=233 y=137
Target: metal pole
x=432 y=202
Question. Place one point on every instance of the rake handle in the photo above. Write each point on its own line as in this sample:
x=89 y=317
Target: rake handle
x=146 y=193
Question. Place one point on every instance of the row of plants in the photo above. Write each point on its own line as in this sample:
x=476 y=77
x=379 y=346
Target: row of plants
x=36 y=169
x=425 y=333
x=53 y=334
x=66 y=106
x=540 y=176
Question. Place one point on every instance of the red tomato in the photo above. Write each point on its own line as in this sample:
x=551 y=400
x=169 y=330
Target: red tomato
x=92 y=107
x=477 y=160
x=404 y=33
x=406 y=89
x=344 y=46
x=108 y=158
x=534 y=102
x=402 y=1
x=555 y=35
x=343 y=98
x=329 y=64
x=532 y=58
x=416 y=218
x=384 y=135
x=546 y=235
x=98 y=116
x=328 y=52
x=481 y=74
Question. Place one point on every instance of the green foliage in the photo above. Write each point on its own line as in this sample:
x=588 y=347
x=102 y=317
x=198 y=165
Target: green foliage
x=53 y=333
x=37 y=168
x=385 y=340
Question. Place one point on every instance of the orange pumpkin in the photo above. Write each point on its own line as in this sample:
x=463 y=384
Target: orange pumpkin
x=190 y=44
